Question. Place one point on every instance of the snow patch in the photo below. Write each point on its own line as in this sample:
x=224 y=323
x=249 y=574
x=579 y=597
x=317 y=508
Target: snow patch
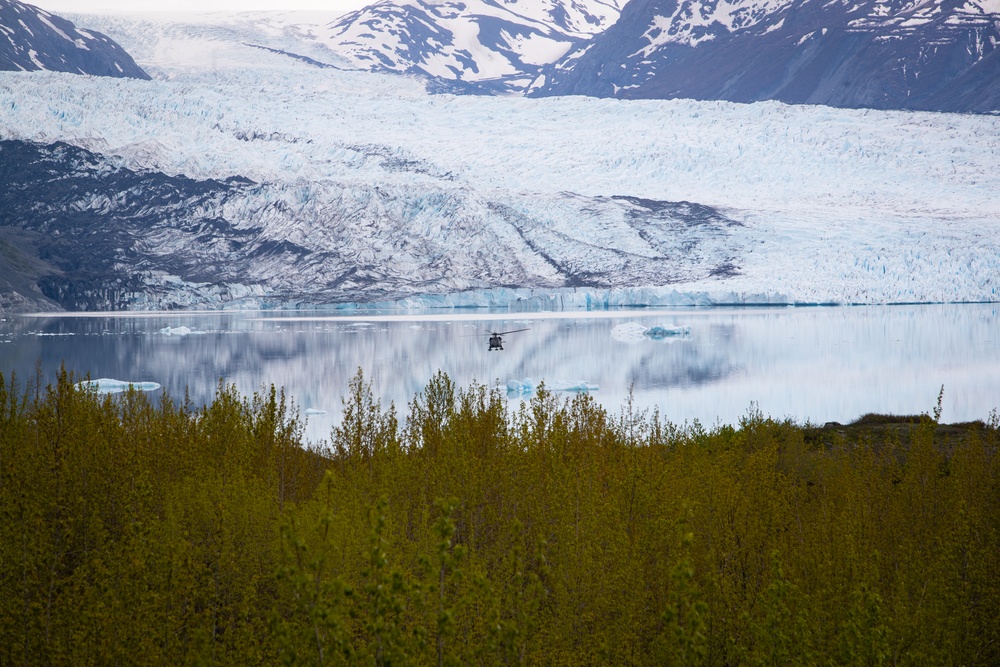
x=52 y=26
x=774 y=28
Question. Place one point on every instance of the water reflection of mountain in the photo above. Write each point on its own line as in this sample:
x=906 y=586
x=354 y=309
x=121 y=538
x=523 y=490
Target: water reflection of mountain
x=314 y=360
x=819 y=364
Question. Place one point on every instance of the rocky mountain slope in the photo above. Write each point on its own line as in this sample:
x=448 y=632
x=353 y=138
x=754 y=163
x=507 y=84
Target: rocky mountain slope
x=472 y=45
x=938 y=55
x=884 y=54
x=33 y=39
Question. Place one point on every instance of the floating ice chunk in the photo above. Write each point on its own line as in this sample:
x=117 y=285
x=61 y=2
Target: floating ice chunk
x=109 y=386
x=630 y=332
x=633 y=332
x=310 y=412
x=579 y=386
x=179 y=331
x=528 y=386
x=525 y=386
x=660 y=333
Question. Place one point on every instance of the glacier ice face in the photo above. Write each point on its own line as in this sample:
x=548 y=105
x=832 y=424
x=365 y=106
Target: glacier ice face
x=334 y=186
x=235 y=241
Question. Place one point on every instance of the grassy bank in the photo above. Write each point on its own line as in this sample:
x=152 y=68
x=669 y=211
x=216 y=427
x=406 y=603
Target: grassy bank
x=461 y=532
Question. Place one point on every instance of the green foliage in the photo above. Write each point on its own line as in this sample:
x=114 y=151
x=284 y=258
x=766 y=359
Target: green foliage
x=686 y=641
x=140 y=531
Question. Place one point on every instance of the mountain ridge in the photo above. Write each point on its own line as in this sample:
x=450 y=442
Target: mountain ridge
x=934 y=55
x=895 y=54
x=33 y=39
x=472 y=45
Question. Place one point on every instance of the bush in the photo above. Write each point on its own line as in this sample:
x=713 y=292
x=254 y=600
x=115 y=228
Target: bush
x=141 y=531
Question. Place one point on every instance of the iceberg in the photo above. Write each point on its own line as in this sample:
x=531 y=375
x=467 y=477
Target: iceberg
x=110 y=386
x=630 y=332
x=528 y=386
x=662 y=333
x=633 y=332
x=518 y=387
x=578 y=387
x=179 y=331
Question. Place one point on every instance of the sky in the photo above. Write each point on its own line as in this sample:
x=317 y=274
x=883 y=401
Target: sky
x=91 y=6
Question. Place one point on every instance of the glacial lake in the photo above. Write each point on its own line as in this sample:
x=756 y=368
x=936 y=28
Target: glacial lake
x=711 y=364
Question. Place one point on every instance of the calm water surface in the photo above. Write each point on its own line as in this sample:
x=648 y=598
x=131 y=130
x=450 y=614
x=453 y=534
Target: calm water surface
x=816 y=364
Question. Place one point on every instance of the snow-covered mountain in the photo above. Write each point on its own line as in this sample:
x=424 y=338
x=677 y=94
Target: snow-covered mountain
x=286 y=181
x=477 y=44
x=33 y=39
x=936 y=55
x=884 y=54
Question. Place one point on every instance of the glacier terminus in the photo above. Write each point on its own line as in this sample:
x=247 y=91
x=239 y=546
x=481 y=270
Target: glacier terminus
x=260 y=168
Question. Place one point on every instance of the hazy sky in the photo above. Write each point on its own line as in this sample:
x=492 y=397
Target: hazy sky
x=85 y=6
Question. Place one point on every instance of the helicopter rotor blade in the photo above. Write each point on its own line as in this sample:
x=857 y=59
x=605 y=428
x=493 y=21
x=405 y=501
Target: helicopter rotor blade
x=492 y=333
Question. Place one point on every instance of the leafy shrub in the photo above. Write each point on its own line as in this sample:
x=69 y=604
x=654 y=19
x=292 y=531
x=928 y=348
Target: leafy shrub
x=142 y=531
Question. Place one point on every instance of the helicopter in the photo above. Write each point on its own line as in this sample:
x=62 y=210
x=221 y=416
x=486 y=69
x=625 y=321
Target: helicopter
x=496 y=338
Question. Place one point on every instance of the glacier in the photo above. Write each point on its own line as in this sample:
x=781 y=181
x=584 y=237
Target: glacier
x=376 y=192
